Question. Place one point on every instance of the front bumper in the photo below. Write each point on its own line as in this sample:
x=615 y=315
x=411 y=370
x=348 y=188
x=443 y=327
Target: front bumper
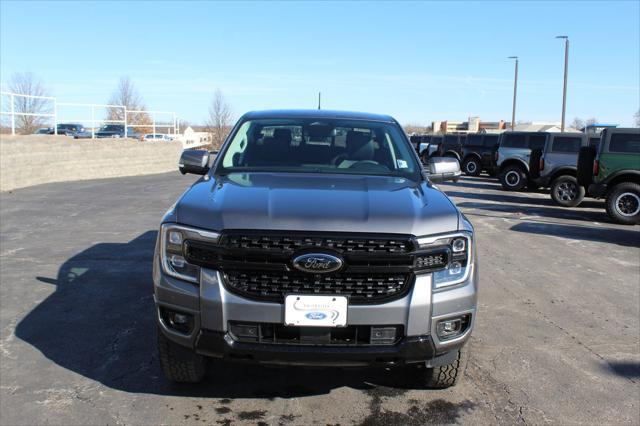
x=213 y=307
x=408 y=350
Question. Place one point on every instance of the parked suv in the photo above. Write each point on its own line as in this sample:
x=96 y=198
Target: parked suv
x=116 y=131
x=68 y=129
x=297 y=252
x=451 y=146
x=478 y=154
x=555 y=166
x=514 y=154
x=612 y=172
x=427 y=146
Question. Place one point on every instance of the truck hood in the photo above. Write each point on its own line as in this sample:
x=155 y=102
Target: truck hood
x=315 y=202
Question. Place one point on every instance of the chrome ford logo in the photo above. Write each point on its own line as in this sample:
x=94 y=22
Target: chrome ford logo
x=317 y=263
x=316 y=316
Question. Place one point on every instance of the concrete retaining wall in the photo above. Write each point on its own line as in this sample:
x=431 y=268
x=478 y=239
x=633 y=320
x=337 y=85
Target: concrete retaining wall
x=33 y=160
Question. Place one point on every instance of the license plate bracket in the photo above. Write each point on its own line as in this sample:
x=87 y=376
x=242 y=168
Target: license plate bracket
x=315 y=310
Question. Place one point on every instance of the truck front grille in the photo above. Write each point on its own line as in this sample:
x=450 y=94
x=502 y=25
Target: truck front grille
x=258 y=264
x=274 y=286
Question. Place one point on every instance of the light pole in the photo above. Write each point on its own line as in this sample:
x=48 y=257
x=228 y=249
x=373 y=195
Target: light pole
x=566 y=71
x=515 y=92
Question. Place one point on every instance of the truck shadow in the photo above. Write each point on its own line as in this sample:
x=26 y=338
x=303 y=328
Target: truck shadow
x=99 y=323
x=622 y=237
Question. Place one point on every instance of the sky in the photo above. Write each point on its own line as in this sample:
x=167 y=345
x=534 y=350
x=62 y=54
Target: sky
x=417 y=61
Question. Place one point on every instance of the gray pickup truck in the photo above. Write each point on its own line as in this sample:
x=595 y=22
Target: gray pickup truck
x=330 y=248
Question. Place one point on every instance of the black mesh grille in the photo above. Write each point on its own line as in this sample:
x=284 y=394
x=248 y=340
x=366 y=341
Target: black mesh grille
x=273 y=286
x=258 y=265
x=340 y=244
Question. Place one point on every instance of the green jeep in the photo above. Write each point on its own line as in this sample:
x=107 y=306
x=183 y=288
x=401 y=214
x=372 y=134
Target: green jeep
x=613 y=173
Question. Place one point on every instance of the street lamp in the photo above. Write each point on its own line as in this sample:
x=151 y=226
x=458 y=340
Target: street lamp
x=566 y=70
x=515 y=92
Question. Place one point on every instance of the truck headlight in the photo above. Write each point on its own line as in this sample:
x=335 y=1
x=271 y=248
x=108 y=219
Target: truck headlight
x=460 y=260
x=172 y=241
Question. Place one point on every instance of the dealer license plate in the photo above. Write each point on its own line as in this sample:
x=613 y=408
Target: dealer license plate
x=315 y=311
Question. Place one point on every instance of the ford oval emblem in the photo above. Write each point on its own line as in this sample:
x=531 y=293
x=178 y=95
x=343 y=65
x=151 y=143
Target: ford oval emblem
x=316 y=316
x=317 y=263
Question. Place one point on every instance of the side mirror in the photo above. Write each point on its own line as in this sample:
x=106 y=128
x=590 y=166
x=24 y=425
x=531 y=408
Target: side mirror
x=194 y=161
x=441 y=169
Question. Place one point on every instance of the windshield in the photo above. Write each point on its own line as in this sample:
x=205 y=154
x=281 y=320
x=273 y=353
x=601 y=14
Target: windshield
x=320 y=146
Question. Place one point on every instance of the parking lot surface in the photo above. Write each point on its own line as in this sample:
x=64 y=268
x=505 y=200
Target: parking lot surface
x=557 y=339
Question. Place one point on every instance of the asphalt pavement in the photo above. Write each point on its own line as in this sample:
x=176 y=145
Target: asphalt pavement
x=557 y=337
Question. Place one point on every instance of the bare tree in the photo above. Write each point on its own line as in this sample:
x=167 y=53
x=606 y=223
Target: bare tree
x=591 y=121
x=127 y=95
x=219 y=121
x=411 y=128
x=636 y=117
x=577 y=123
x=28 y=84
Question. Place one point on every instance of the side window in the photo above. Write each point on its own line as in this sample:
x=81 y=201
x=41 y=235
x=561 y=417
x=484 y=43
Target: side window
x=474 y=140
x=566 y=144
x=514 y=141
x=537 y=141
x=594 y=142
x=238 y=145
x=628 y=143
x=490 y=141
x=451 y=140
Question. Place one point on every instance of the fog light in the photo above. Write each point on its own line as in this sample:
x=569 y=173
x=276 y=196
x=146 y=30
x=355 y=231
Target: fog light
x=179 y=321
x=459 y=244
x=452 y=327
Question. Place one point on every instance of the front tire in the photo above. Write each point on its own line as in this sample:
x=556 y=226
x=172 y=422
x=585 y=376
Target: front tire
x=513 y=178
x=443 y=376
x=180 y=364
x=472 y=167
x=623 y=203
x=566 y=192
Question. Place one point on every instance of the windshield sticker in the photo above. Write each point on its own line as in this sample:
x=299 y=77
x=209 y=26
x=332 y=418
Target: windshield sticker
x=402 y=164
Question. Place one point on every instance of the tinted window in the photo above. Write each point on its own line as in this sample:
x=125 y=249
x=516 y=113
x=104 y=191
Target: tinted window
x=566 y=144
x=625 y=142
x=474 y=140
x=490 y=141
x=451 y=140
x=513 y=141
x=537 y=141
x=594 y=142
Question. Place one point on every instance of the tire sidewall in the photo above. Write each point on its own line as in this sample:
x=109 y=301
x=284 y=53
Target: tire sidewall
x=612 y=198
x=509 y=173
x=580 y=191
x=476 y=167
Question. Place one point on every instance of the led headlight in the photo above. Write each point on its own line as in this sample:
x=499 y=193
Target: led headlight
x=172 y=240
x=459 y=262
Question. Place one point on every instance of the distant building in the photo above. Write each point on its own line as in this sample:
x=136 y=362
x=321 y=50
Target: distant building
x=542 y=127
x=472 y=125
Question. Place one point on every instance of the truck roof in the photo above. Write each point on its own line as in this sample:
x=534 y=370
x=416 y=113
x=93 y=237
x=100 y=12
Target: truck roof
x=317 y=113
